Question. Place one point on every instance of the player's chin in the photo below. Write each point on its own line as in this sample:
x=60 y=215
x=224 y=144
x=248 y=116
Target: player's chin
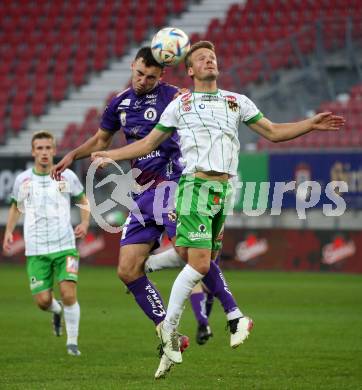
x=210 y=77
x=141 y=90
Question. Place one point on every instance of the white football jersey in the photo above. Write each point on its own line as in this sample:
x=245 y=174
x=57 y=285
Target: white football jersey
x=207 y=124
x=46 y=204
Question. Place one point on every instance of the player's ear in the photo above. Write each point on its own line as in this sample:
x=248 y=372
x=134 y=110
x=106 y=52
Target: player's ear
x=190 y=71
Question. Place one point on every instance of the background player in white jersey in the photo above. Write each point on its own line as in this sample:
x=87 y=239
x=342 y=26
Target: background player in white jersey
x=207 y=121
x=49 y=237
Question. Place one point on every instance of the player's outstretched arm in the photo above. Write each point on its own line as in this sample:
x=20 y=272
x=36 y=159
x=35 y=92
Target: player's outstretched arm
x=100 y=140
x=278 y=132
x=13 y=217
x=136 y=149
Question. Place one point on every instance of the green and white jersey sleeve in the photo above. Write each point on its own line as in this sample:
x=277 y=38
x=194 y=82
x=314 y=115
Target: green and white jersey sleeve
x=208 y=124
x=46 y=204
x=169 y=118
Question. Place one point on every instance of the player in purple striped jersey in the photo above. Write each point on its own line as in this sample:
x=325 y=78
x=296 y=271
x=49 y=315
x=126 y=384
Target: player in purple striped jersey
x=135 y=111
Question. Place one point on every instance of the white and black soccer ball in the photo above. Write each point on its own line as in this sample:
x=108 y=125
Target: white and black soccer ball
x=169 y=46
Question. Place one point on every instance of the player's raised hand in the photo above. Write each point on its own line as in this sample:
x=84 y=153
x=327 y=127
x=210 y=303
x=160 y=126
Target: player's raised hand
x=8 y=240
x=62 y=165
x=326 y=121
x=101 y=158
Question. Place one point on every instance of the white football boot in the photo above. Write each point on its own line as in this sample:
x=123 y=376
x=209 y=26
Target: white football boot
x=239 y=330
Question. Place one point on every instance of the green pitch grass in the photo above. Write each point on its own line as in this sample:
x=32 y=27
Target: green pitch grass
x=307 y=335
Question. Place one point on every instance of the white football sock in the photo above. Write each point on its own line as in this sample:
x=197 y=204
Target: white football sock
x=232 y=315
x=71 y=318
x=55 y=307
x=181 y=290
x=167 y=259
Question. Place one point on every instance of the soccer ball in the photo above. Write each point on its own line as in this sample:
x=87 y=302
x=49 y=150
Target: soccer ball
x=169 y=46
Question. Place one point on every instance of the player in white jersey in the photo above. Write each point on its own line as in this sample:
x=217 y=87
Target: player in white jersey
x=207 y=121
x=49 y=237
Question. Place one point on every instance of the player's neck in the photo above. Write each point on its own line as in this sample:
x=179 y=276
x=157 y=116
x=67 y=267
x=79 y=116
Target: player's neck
x=205 y=86
x=41 y=170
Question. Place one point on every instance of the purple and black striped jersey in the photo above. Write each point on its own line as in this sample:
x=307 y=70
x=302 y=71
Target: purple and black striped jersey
x=137 y=115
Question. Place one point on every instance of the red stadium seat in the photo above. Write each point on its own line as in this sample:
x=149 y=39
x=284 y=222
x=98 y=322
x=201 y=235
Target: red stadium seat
x=17 y=118
x=2 y=133
x=72 y=39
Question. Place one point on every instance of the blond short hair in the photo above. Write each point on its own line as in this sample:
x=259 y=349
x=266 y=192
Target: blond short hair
x=43 y=134
x=198 y=45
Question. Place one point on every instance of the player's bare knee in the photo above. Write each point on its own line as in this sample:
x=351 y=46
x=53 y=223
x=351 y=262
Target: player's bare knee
x=69 y=298
x=43 y=302
x=127 y=276
x=68 y=292
x=203 y=267
x=123 y=274
x=200 y=261
x=182 y=252
x=128 y=271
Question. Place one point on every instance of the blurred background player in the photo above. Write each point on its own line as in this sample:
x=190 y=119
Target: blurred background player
x=49 y=237
x=211 y=159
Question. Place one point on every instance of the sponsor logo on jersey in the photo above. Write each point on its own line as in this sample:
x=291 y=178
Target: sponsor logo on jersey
x=125 y=102
x=154 y=153
x=209 y=98
x=198 y=236
x=150 y=114
x=138 y=104
x=230 y=98
x=186 y=107
x=233 y=106
x=27 y=180
x=186 y=98
x=169 y=168
x=172 y=216
x=135 y=130
x=122 y=118
x=151 y=102
x=72 y=264
x=63 y=186
x=35 y=283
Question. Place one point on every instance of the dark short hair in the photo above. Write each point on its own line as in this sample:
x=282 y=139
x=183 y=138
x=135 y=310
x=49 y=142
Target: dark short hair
x=43 y=134
x=146 y=54
x=196 y=46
